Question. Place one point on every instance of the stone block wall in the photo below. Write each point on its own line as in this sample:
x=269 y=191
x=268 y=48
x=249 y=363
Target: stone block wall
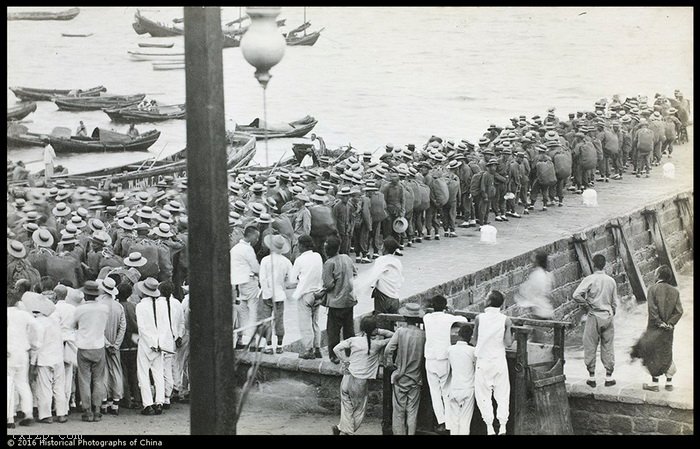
x=469 y=292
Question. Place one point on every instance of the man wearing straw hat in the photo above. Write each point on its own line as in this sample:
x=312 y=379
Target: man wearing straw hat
x=90 y=321
x=407 y=344
x=341 y=214
x=154 y=339
x=275 y=272
x=17 y=265
x=115 y=330
x=65 y=315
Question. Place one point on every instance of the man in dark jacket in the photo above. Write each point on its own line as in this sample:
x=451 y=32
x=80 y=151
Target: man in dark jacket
x=338 y=273
x=395 y=205
x=341 y=214
x=488 y=190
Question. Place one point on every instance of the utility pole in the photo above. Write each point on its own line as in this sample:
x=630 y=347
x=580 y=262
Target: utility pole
x=213 y=394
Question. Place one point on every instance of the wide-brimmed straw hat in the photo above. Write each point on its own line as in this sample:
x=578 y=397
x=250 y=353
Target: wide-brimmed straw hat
x=149 y=287
x=42 y=237
x=164 y=216
x=319 y=195
x=257 y=208
x=264 y=218
x=96 y=224
x=78 y=221
x=277 y=244
x=257 y=188
x=135 y=259
x=15 y=248
x=61 y=210
x=145 y=212
x=36 y=302
x=143 y=197
x=239 y=205
x=108 y=285
x=163 y=230
x=91 y=288
x=411 y=309
x=344 y=191
x=127 y=223
x=102 y=238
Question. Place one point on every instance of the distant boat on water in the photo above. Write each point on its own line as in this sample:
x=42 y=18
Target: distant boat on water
x=20 y=111
x=76 y=35
x=143 y=25
x=34 y=94
x=68 y=14
x=156 y=45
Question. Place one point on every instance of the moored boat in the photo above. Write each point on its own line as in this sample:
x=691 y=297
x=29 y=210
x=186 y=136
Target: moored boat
x=133 y=114
x=101 y=140
x=297 y=128
x=34 y=94
x=304 y=40
x=76 y=35
x=95 y=103
x=18 y=136
x=68 y=14
x=240 y=151
x=156 y=45
x=156 y=56
x=168 y=65
x=20 y=111
x=142 y=25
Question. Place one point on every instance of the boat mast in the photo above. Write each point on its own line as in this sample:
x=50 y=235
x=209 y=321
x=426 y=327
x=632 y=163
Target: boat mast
x=304 y=20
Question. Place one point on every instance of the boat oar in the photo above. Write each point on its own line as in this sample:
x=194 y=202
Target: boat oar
x=156 y=158
x=278 y=162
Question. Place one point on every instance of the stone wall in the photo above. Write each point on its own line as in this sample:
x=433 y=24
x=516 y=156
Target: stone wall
x=469 y=292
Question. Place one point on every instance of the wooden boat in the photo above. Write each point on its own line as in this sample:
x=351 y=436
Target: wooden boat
x=133 y=114
x=168 y=66
x=101 y=140
x=33 y=94
x=155 y=45
x=240 y=151
x=305 y=40
x=298 y=128
x=76 y=35
x=20 y=111
x=97 y=103
x=156 y=56
x=232 y=40
x=18 y=136
x=68 y=14
x=143 y=25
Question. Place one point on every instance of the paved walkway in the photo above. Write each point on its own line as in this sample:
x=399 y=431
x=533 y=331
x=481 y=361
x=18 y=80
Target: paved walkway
x=435 y=262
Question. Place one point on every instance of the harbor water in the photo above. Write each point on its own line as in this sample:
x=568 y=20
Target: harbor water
x=376 y=75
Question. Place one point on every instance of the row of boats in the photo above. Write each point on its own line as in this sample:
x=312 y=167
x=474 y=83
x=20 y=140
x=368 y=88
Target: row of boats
x=67 y=14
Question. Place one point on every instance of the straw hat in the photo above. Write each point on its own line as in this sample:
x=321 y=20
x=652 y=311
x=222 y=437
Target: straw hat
x=67 y=239
x=164 y=216
x=135 y=259
x=91 y=288
x=127 y=223
x=108 y=285
x=257 y=209
x=344 y=191
x=36 y=302
x=102 y=238
x=143 y=197
x=319 y=196
x=411 y=309
x=61 y=210
x=149 y=287
x=145 y=212
x=270 y=202
x=119 y=197
x=271 y=182
x=236 y=188
x=277 y=244
x=43 y=238
x=400 y=225
x=454 y=164
x=174 y=207
x=96 y=224
x=239 y=205
x=70 y=230
x=163 y=230
x=32 y=216
x=264 y=218
x=16 y=249
x=257 y=188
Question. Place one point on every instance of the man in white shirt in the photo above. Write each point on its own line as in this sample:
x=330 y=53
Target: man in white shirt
x=460 y=406
x=65 y=316
x=274 y=276
x=389 y=279
x=91 y=321
x=49 y=159
x=155 y=338
x=492 y=335
x=21 y=337
x=176 y=330
x=244 y=269
x=308 y=273
x=438 y=325
x=48 y=362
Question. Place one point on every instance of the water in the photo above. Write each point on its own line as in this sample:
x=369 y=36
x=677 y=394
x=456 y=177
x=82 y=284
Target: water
x=376 y=75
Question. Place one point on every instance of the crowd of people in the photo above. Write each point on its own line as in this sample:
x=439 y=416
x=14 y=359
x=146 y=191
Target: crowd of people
x=106 y=270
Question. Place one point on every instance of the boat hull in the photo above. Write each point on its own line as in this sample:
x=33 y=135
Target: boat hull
x=300 y=130
x=97 y=103
x=32 y=94
x=143 y=25
x=132 y=115
x=308 y=40
x=20 y=111
x=26 y=140
x=88 y=145
x=44 y=15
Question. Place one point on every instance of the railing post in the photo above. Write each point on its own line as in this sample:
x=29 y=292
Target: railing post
x=520 y=384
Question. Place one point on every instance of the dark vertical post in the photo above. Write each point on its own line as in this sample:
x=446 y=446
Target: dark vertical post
x=213 y=395
x=558 y=347
x=520 y=384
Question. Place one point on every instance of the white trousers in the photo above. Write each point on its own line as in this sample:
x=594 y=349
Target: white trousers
x=147 y=360
x=491 y=377
x=181 y=366
x=68 y=373
x=18 y=378
x=437 y=371
x=458 y=411
x=168 y=376
x=50 y=386
x=247 y=310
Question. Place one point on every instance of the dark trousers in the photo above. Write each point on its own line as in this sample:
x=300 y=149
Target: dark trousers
x=410 y=232
x=418 y=223
x=500 y=200
x=484 y=209
x=608 y=159
x=431 y=220
x=641 y=163
x=130 y=378
x=339 y=318
x=559 y=189
x=536 y=189
x=91 y=378
x=360 y=240
x=389 y=228
x=384 y=303
x=467 y=207
x=344 y=243
x=376 y=243
x=449 y=215
x=657 y=150
x=319 y=246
